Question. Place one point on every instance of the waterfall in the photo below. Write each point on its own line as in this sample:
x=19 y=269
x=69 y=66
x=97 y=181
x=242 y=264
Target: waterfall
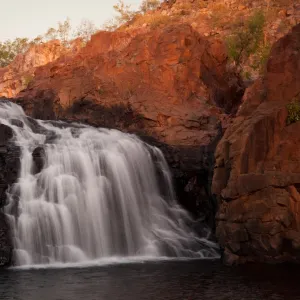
x=99 y=193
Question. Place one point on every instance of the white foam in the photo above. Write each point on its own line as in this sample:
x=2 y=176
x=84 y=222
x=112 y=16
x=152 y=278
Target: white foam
x=109 y=261
x=99 y=196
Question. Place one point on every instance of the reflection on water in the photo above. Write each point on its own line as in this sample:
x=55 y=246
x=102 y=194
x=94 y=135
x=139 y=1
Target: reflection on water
x=173 y=280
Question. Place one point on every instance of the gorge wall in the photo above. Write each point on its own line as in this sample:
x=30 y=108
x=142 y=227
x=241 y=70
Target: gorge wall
x=257 y=171
x=172 y=86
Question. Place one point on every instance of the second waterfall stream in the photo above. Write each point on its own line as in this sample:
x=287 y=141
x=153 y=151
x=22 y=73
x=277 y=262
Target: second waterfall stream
x=100 y=193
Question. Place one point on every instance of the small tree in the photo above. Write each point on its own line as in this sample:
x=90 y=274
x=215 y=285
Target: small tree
x=85 y=30
x=64 y=30
x=293 y=109
x=10 y=49
x=149 y=5
x=51 y=34
x=125 y=12
x=124 y=15
x=246 y=41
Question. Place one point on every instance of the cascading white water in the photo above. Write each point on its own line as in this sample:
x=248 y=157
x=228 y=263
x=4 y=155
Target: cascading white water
x=100 y=193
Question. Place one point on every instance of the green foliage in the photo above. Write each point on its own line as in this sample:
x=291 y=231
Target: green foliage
x=247 y=75
x=261 y=57
x=247 y=40
x=51 y=34
x=85 y=30
x=159 y=20
x=101 y=91
x=293 y=112
x=124 y=15
x=64 y=31
x=10 y=49
x=149 y=5
x=27 y=79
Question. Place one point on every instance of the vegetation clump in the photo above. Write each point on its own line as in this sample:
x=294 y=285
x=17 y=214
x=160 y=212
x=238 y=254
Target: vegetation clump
x=247 y=40
x=125 y=13
x=27 y=80
x=10 y=49
x=293 y=109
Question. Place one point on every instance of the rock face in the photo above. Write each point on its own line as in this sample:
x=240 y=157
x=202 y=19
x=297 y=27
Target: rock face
x=257 y=172
x=170 y=85
x=19 y=74
x=168 y=81
x=6 y=247
x=172 y=79
x=9 y=170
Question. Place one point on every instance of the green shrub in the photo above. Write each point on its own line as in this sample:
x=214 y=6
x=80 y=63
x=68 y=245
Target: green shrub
x=149 y=5
x=101 y=91
x=247 y=40
x=293 y=112
x=153 y=20
x=260 y=58
x=27 y=79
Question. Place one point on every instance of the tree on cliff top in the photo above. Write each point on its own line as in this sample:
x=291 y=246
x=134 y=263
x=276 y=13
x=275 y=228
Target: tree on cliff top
x=85 y=30
x=149 y=5
x=10 y=49
x=125 y=13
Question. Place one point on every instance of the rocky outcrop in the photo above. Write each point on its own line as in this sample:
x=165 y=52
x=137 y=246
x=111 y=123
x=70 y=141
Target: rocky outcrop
x=170 y=85
x=19 y=74
x=168 y=81
x=174 y=80
x=6 y=246
x=9 y=170
x=257 y=172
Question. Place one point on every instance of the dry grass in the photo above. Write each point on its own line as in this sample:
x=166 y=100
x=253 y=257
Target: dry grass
x=219 y=14
x=153 y=20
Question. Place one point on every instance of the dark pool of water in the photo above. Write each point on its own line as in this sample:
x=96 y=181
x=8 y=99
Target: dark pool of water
x=173 y=280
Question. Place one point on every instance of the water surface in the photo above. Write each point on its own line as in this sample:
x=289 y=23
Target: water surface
x=168 y=280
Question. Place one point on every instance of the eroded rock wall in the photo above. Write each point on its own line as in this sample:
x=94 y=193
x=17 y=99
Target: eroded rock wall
x=170 y=85
x=257 y=172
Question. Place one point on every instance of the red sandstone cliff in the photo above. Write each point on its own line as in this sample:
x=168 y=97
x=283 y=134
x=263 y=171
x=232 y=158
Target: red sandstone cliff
x=18 y=75
x=172 y=78
x=257 y=172
x=171 y=82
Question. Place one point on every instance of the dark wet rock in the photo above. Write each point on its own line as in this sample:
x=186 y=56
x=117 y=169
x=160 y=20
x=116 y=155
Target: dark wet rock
x=9 y=172
x=38 y=156
x=6 y=133
x=51 y=136
x=6 y=247
x=17 y=122
x=192 y=169
x=34 y=125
